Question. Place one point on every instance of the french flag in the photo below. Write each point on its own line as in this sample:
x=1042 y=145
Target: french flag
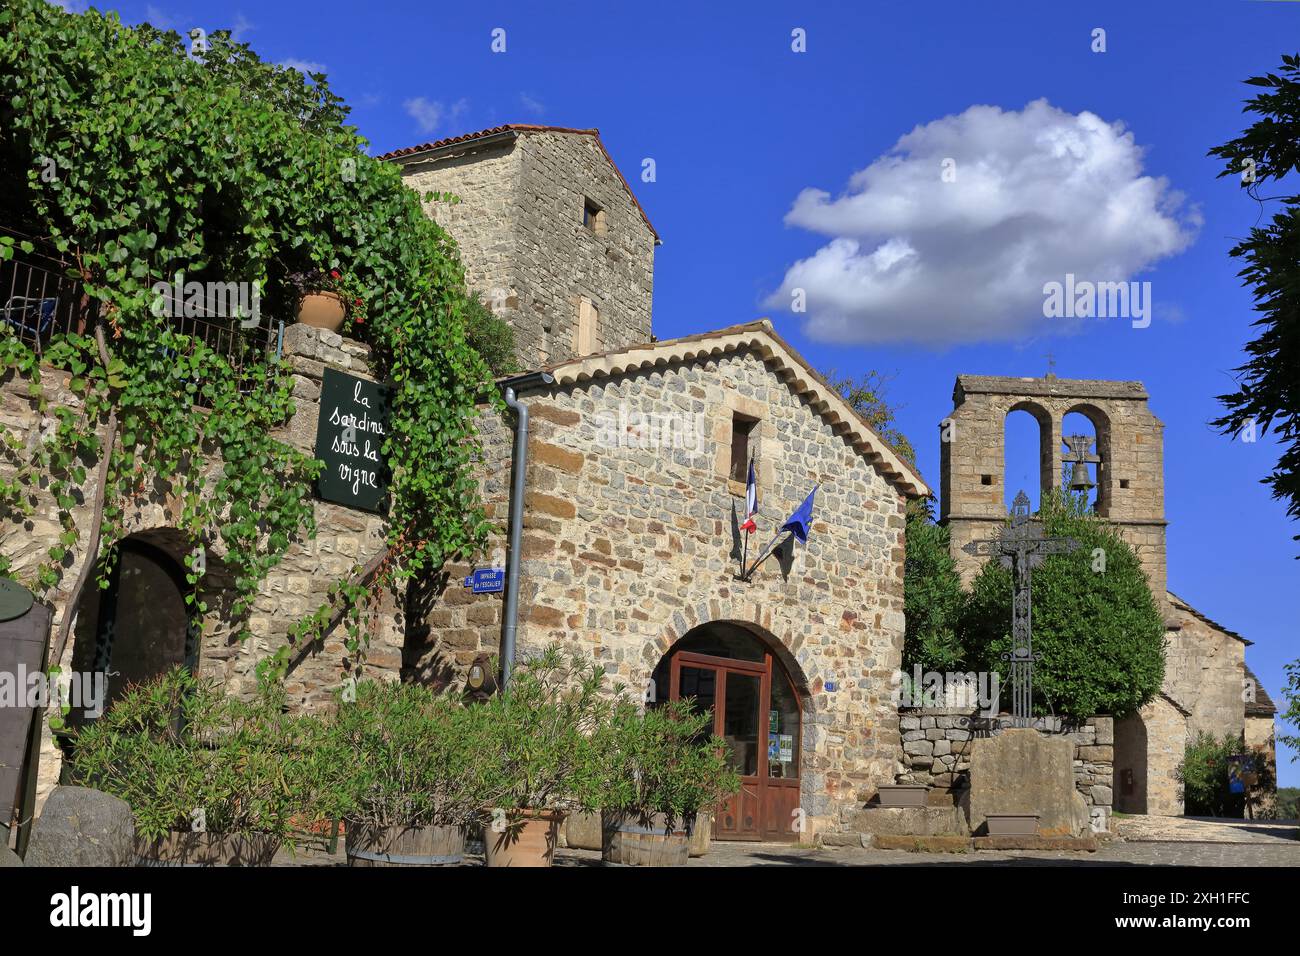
x=751 y=501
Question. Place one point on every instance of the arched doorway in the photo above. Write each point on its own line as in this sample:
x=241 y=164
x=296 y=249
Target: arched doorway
x=138 y=627
x=729 y=671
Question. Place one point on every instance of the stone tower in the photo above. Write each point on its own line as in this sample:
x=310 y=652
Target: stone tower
x=1130 y=475
x=550 y=234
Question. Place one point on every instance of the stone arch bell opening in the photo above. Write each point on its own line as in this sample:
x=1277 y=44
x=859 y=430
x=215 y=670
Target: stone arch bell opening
x=1028 y=457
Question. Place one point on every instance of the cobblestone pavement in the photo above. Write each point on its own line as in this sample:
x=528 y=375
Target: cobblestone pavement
x=1204 y=829
x=1276 y=852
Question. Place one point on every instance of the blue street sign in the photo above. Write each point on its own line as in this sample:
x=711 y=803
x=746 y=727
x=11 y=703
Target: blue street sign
x=487 y=580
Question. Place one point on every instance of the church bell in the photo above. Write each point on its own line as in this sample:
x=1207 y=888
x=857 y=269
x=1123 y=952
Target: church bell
x=1080 y=480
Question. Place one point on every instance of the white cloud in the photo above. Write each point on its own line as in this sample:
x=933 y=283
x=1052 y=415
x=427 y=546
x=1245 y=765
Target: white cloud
x=242 y=27
x=532 y=104
x=304 y=66
x=1037 y=194
x=430 y=114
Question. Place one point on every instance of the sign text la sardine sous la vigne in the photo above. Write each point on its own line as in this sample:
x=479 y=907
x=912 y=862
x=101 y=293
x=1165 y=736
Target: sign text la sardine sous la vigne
x=349 y=433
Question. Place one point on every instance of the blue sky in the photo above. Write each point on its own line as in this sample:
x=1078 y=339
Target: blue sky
x=739 y=126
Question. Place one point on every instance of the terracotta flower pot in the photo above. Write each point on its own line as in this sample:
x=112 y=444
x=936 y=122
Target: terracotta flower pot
x=321 y=310
x=528 y=839
x=702 y=833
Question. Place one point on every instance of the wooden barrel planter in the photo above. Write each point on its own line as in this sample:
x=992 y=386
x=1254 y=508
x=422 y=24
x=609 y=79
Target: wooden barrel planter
x=635 y=840
x=528 y=839
x=208 y=849
x=404 y=846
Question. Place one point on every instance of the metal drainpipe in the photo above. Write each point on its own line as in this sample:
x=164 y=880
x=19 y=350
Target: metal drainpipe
x=509 y=621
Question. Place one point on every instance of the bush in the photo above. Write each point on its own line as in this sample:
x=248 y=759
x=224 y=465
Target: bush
x=539 y=734
x=663 y=761
x=1095 y=622
x=401 y=756
x=178 y=747
x=490 y=336
x=932 y=596
x=1204 y=776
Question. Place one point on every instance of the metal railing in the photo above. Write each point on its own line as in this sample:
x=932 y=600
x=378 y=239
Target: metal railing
x=41 y=297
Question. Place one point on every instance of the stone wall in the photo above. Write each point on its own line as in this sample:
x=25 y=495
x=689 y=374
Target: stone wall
x=294 y=588
x=937 y=743
x=520 y=228
x=1149 y=748
x=628 y=545
x=1204 y=673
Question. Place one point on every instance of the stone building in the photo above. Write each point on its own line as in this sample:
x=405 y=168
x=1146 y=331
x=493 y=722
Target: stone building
x=631 y=549
x=551 y=235
x=1205 y=687
x=635 y=490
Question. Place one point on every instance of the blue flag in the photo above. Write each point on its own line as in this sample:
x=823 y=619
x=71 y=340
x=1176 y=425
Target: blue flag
x=800 y=522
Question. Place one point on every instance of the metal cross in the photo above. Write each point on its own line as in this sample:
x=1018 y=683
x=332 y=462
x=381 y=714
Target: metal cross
x=1021 y=547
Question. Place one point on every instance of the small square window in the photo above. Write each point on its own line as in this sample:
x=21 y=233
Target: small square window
x=742 y=427
x=593 y=217
x=986 y=479
x=1123 y=482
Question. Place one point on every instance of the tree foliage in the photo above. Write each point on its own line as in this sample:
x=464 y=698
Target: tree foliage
x=1095 y=621
x=221 y=167
x=866 y=396
x=932 y=596
x=1268 y=395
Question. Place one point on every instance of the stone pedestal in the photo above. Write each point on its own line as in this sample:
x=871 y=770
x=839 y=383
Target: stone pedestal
x=1023 y=771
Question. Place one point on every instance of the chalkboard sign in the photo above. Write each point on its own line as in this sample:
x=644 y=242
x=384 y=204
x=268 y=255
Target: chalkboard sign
x=352 y=426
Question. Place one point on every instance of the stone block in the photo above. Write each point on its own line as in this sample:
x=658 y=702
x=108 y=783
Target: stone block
x=1022 y=771
x=909 y=821
x=82 y=827
x=1105 y=727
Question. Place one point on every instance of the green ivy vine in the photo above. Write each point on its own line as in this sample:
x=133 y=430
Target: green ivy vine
x=141 y=157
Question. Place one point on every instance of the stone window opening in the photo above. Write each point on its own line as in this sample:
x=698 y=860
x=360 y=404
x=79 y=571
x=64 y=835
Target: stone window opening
x=742 y=430
x=593 y=217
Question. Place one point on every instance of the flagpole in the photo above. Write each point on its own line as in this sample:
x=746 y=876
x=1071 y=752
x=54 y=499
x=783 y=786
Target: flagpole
x=765 y=554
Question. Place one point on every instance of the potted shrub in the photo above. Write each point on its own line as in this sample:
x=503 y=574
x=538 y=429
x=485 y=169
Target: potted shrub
x=402 y=769
x=664 y=771
x=212 y=780
x=540 y=734
x=327 y=299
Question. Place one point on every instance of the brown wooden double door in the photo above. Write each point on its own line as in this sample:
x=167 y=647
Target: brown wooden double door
x=756 y=711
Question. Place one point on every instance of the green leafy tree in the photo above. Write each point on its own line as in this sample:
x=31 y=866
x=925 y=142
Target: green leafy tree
x=1095 y=621
x=1292 y=714
x=1268 y=395
x=932 y=595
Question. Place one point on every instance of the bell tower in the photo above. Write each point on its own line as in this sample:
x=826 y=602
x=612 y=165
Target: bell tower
x=1128 y=455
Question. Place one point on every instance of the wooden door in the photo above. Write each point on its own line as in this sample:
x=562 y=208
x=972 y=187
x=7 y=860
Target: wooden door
x=739 y=695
